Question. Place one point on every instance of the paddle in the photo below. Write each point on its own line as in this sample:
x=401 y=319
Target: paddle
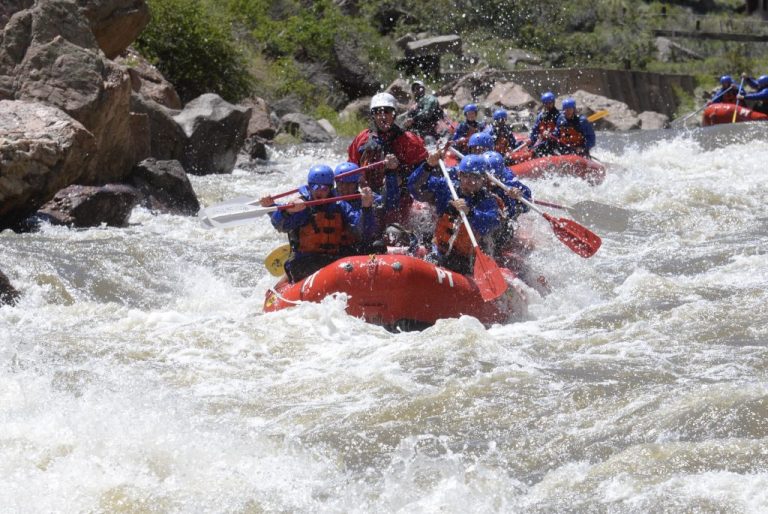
x=578 y=238
x=721 y=93
x=736 y=109
x=607 y=217
x=597 y=116
x=275 y=261
x=232 y=215
x=486 y=272
x=340 y=175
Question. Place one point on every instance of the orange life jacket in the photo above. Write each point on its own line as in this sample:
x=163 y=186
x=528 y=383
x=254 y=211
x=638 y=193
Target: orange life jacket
x=729 y=97
x=325 y=233
x=447 y=226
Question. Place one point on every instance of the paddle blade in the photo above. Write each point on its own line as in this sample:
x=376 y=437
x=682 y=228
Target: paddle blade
x=606 y=217
x=275 y=261
x=597 y=116
x=488 y=277
x=232 y=215
x=578 y=238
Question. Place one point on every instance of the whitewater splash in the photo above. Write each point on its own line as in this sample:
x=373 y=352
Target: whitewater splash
x=139 y=373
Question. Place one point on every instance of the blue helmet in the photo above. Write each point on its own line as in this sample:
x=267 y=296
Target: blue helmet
x=483 y=139
x=548 y=97
x=495 y=162
x=470 y=108
x=474 y=164
x=569 y=103
x=320 y=174
x=726 y=79
x=499 y=114
x=344 y=167
x=762 y=81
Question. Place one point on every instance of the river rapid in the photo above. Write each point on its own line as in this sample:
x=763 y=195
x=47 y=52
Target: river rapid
x=139 y=373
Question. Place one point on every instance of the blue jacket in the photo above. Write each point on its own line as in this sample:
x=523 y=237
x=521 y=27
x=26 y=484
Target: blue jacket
x=484 y=215
x=361 y=222
x=759 y=96
x=579 y=123
x=463 y=129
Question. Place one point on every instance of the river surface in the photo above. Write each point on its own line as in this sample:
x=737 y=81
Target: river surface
x=140 y=374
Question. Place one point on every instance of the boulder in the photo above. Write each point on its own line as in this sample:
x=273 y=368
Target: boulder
x=650 y=120
x=164 y=187
x=10 y=7
x=90 y=206
x=438 y=45
x=305 y=128
x=517 y=56
x=215 y=131
x=256 y=148
x=510 y=96
x=359 y=108
x=42 y=149
x=147 y=81
x=401 y=90
x=621 y=116
x=351 y=68
x=49 y=55
x=463 y=96
x=8 y=294
x=327 y=126
x=260 y=123
x=115 y=23
x=166 y=138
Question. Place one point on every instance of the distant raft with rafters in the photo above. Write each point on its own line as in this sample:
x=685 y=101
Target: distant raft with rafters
x=716 y=114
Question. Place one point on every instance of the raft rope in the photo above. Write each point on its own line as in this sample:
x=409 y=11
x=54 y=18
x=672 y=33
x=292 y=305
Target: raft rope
x=283 y=299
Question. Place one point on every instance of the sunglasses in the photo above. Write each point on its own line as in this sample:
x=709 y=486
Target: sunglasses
x=316 y=187
x=382 y=110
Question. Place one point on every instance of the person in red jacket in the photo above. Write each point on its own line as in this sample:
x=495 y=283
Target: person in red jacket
x=402 y=152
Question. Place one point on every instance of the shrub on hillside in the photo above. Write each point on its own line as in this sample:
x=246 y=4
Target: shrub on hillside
x=195 y=49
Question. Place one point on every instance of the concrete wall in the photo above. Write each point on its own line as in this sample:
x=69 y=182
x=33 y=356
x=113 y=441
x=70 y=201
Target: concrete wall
x=642 y=91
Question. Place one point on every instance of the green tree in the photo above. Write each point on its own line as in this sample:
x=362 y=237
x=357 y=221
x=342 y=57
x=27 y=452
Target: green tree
x=195 y=49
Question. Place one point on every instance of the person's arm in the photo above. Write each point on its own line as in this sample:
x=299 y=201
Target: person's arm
x=535 y=130
x=284 y=221
x=589 y=133
x=760 y=95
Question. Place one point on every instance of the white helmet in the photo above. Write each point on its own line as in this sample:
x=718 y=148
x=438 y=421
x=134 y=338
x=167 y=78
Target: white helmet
x=418 y=83
x=383 y=100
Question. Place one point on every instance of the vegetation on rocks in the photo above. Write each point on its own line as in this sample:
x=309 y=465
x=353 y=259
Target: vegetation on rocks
x=288 y=48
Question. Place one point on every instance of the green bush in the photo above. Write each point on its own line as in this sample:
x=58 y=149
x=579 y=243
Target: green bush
x=194 y=48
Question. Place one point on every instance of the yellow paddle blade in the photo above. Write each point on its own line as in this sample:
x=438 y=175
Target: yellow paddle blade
x=275 y=261
x=597 y=116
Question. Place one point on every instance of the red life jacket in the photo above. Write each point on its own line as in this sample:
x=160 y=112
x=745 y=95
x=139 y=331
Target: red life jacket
x=548 y=121
x=324 y=233
x=570 y=134
x=729 y=97
x=370 y=146
x=450 y=227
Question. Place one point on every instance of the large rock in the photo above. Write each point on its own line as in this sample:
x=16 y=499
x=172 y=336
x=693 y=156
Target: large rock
x=90 y=206
x=10 y=7
x=351 y=68
x=621 y=117
x=165 y=187
x=8 y=294
x=49 y=55
x=115 y=23
x=215 y=131
x=438 y=45
x=650 y=120
x=401 y=90
x=42 y=149
x=510 y=96
x=147 y=81
x=166 y=138
x=305 y=128
x=260 y=124
x=359 y=108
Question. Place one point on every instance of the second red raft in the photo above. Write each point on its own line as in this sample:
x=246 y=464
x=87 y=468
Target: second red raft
x=716 y=114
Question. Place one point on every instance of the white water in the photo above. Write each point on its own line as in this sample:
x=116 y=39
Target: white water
x=139 y=374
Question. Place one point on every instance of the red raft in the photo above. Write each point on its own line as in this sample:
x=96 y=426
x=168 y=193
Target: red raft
x=563 y=165
x=399 y=291
x=716 y=114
